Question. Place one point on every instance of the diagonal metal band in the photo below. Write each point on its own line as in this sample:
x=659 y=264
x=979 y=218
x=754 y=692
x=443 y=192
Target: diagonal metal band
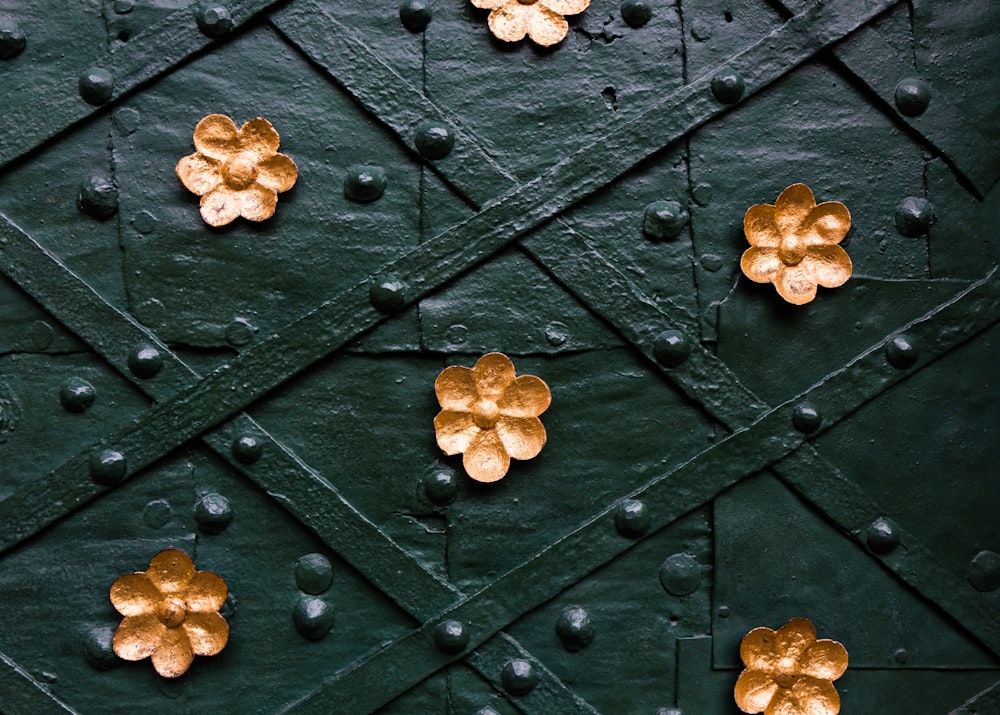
x=229 y=389
x=23 y=694
x=769 y=439
x=151 y=53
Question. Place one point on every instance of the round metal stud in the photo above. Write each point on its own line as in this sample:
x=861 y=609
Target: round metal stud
x=441 y=485
x=914 y=216
x=806 y=418
x=632 y=519
x=157 y=513
x=451 y=637
x=671 y=348
x=98 y=196
x=901 y=352
x=12 y=39
x=387 y=293
x=96 y=85
x=575 y=628
x=108 y=467
x=123 y=7
x=364 y=183
x=728 y=86
x=518 y=677
x=76 y=394
x=97 y=647
x=213 y=513
x=883 y=536
x=901 y=656
x=984 y=571
x=247 y=449
x=144 y=361
x=312 y=617
x=912 y=96
x=415 y=15
x=313 y=574
x=636 y=13
x=434 y=140
x=240 y=332
x=214 y=20
x=664 y=219
x=680 y=574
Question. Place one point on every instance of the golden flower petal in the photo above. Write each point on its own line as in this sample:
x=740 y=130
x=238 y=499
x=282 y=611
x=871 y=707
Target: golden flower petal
x=454 y=431
x=493 y=373
x=198 y=173
x=486 y=460
x=134 y=594
x=257 y=203
x=138 y=636
x=174 y=655
x=754 y=691
x=825 y=660
x=220 y=207
x=277 y=172
x=546 y=27
x=795 y=284
x=830 y=266
x=216 y=136
x=205 y=592
x=792 y=208
x=784 y=702
x=565 y=7
x=761 y=226
x=759 y=650
x=815 y=697
x=170 y=571
x=760 y=264
x=522 y=437
x=455 y=388
x=527 y=396
x=794 y=637
x=258 y=135
x=509 y=22
x=207 y=633
x=489 y=4
x=826 y=224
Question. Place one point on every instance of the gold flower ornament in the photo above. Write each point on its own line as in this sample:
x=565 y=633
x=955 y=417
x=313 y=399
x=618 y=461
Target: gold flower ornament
x=171 y=613
x=789 y=672
x=490 y=415
x=793 y=244
x=236 y=172
x=541 y=20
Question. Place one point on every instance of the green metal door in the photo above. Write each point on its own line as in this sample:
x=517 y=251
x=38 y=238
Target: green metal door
x=261 y=395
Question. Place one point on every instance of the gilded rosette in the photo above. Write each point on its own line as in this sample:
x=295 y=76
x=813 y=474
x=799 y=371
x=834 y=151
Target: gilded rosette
x=543 y=21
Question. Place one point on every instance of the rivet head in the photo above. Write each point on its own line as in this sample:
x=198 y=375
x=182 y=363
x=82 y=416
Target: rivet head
x=387 y=293
x=434 y=140
x=123 y=7
x=441 y=485
x=98 y=196
x=636 y=13
x=669 y=711
x=806 y=418
x=12 y=39
x=97 y=647
x=213 y=513
x=984 y=571
x=313 y=574
x=451 y=637
x=415 y=15
x=728 y=86
x=214 y=20
x=240 y=332
x=364 y=183
x=518 y=677
x=671 y=348
x=901 y=352
x=632 y=518
x=76 y=394
x=247 y=449
x=107 y=467
x=914 y=216
x=912 y=96
x=313 y=617
x=96 y=85
x=680 y=574
x=664 y=219
x=883 y=536
x=144 y=361
x=575 y=628
x=156 y=513
x=901 y=655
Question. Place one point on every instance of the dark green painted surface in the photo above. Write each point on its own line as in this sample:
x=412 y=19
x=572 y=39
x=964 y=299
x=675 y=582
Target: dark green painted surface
x=531 y=243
